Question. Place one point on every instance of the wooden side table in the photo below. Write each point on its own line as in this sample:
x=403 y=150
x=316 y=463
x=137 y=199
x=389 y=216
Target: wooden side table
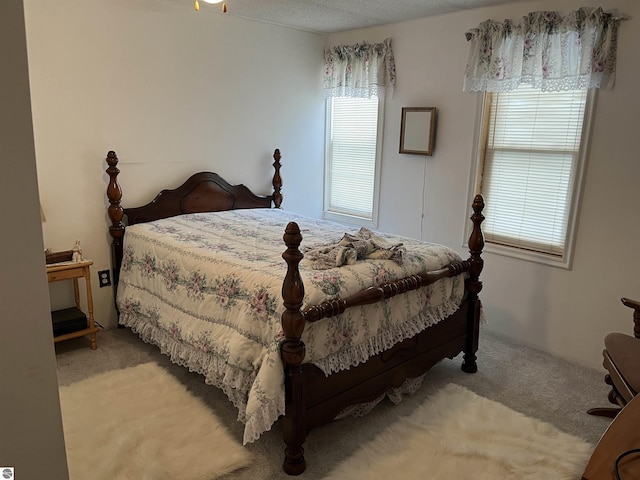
x=74 y=271
x=623 y=434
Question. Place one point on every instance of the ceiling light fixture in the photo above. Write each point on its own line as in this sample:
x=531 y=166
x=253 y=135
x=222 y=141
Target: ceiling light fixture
x=224 y=4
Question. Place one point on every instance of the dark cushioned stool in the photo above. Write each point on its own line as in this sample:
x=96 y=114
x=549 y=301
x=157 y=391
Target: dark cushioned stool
x=622 y=361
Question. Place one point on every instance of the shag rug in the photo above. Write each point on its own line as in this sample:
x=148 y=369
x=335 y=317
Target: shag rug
x=140 y=423
x=457 y=434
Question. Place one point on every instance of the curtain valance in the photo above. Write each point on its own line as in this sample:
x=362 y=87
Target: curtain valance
x=363 y=70
x=545 y=50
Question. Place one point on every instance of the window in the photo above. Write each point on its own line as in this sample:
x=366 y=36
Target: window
x=352 y=160
x=532 y=152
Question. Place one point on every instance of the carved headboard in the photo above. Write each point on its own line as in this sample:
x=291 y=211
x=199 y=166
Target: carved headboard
x=202 y=192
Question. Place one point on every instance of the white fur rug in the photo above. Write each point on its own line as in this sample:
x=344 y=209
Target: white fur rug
x=140 y=423
x=457 y=434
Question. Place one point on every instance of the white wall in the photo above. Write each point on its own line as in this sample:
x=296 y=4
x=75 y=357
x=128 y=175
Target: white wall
x=31 y=438
x=173 y=91
x=566 y=312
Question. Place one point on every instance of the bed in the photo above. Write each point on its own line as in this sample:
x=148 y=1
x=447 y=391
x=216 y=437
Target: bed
x=201 y=273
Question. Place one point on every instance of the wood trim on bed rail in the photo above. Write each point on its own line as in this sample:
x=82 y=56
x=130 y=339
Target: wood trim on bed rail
x=292 y=352
x=116 y=212
x=295 y=424
x=277 y=179
x=331 y=308
x=473 y=286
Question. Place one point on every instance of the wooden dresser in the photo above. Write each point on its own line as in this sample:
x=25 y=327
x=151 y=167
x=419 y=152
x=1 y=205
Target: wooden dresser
x=622 y=435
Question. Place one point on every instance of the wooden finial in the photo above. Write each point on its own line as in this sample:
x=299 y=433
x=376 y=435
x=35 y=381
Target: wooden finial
x=292 y=352
x=116 y=212
x=277 y=179
x=114 y=193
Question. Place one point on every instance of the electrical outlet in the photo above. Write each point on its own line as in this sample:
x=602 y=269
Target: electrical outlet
x=104 y=278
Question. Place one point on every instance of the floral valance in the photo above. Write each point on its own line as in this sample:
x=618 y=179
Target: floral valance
x=545 y=50
x=364 y=70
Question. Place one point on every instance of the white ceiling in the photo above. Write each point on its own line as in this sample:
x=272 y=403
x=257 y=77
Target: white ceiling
x=330 y=16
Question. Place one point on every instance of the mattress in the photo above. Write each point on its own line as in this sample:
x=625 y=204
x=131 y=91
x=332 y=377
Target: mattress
x=206 y=288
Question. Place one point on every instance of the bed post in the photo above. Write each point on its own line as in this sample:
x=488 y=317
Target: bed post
x=473 y=286
x=292 y=353
x=114 y=193
x=277 y=179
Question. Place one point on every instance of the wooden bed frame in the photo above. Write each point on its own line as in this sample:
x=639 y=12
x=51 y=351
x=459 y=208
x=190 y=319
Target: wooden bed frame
x=313 y=399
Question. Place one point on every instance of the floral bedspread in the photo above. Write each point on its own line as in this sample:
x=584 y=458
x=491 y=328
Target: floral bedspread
x=206 y=288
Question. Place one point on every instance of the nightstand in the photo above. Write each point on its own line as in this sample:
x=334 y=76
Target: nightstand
x=73 y=271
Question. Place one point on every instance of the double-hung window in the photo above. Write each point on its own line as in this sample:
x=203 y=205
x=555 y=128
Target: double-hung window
x=531 y=159
x=352 y=163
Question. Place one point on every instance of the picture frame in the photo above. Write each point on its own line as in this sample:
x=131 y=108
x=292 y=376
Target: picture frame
x=418 y=130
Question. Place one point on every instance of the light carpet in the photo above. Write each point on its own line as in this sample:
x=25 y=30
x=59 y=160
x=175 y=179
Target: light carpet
x=457 y=434
x=140 y=423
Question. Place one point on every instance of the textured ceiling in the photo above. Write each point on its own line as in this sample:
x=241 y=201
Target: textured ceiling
x=330 y=16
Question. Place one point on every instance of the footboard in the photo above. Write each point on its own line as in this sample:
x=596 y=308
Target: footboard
x=313 y=399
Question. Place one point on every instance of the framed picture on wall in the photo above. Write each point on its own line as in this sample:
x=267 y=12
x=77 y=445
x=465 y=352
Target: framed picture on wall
x=418 y=130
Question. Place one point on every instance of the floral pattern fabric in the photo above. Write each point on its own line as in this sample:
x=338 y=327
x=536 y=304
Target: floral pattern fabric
x=363 y=70
x=206 y=288
x=545 y=50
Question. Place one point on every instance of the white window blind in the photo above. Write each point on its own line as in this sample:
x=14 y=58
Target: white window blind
x=532 y=152
x=352 y=153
